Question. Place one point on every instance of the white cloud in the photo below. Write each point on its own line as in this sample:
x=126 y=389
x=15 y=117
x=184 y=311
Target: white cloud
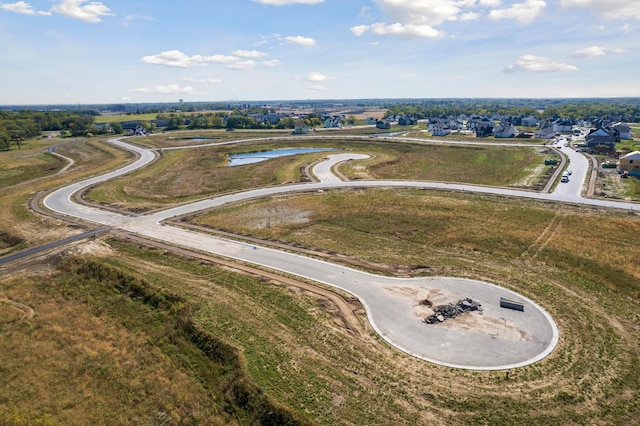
x=241 y=65
x=410 y=30
x=359 y=30
x=287 y=2
x=77 y=9
x=592 y=51
x=219 y=59
x=365 y=12
x=169 y=89
x=176 y=58
x=249 y=54
x=537 y=64
x=626 y=28
x=524 y=13
x=316 y=76
x=469 y=16
x=609 y=9
x=129 y=19
x=420 y=18
x=301 y=41
x=317 y=88
x=203 y=80
x=490 y=3
x=400 y=30
x=22 y=7
x=173 y=58
x=420 y=12
x=271 y=63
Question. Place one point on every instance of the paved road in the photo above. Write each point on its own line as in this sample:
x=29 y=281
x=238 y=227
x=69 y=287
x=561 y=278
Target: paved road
x=44 y=247
x=497 y=339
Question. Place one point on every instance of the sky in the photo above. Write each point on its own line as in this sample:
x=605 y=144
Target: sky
x=131 y=51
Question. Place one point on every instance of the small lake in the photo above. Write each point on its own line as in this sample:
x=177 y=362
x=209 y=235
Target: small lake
x=256 y=157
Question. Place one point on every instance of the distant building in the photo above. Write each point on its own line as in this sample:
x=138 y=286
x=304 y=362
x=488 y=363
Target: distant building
x=440 y=129
x=563 y=126
x=504 y=130
x=529 y=121
x=623 y=129
x=545 y=131
x=407 y=120
x=383 y=124
x=606 y=136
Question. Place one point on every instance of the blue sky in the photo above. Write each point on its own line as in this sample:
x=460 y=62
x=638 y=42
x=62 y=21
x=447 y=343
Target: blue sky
x=110 y=51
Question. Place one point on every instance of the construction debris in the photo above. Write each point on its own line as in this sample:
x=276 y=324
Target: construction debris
x=452 y=310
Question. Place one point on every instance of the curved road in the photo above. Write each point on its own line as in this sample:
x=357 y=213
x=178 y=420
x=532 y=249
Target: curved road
x=498 y=339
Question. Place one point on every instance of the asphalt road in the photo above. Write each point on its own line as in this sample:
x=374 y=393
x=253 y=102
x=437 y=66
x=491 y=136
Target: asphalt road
x=498 y=339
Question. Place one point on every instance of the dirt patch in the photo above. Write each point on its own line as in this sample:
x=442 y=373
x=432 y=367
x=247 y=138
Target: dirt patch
x=47 y=261
x=497 y=328
x=610 y=185
x=270 y=216
x=11 y=311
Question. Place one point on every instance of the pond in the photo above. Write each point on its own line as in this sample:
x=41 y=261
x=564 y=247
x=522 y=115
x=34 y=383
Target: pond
x=256 y=157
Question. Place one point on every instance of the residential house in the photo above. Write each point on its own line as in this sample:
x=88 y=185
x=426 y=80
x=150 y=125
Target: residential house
x=370 y=121
x=603 y=136
x=440 y=129
x=563 y=126
x=630 y=163
x=623 y=129
x=383 y=124
x=504 y=130
x=483 y=127
x=529 y=121
x=407 y=120
x=545 y=131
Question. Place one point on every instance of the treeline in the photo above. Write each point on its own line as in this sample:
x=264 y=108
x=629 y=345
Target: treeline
x=16 y=127
x=238 y=119
x=624 y=110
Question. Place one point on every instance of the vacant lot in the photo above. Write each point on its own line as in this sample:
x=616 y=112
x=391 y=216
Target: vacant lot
x=118 y=332
x=31 y=172
x=184 y=175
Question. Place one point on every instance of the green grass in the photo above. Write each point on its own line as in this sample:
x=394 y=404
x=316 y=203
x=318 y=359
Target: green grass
x=126 y=117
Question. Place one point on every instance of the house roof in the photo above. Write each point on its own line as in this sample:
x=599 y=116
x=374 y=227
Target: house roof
x=635 y=155
x=621 y=126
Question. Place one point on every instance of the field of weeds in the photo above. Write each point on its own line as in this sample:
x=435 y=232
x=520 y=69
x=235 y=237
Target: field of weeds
x=112 y=331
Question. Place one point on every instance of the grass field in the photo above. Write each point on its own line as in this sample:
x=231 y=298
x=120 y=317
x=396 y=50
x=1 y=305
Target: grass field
x=32 y=172
x=111 y=331
x=184 y=175
x=126 y=117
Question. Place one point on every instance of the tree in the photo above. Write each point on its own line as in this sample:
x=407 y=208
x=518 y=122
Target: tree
x=116 y=128
x=286 y=123
x=5 y=143
x=551 y=112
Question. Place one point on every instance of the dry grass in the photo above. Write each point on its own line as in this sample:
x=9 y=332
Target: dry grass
x=185 y=175
x=302 y=358
x=20 y=226
x=93 y=355
x=530 y=247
